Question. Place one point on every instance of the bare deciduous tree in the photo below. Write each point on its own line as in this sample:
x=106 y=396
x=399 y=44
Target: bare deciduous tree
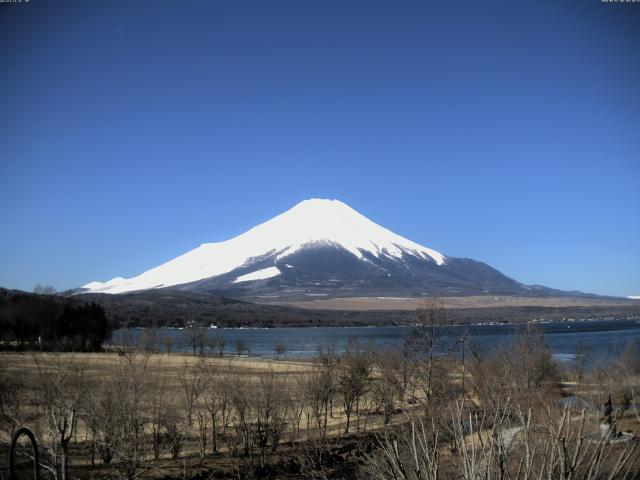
x=126 y=407
x=195 y=338
x=412 y=455
x=387 y=386
x=240 y=399
x=431 y=382
x=524 y=373
x=270 y=413
x=240 y=346
x=62 y=389
x=191 y=384
x=321 y=387
x=165 y=424
x=216 y=401
x=353 y=378
x=506 y=444
x=279 y=348
x=168 y=343
x=12 y=400
x=218 y=343
x=44 y=289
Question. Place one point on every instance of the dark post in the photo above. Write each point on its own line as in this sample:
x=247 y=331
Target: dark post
x=462 y=339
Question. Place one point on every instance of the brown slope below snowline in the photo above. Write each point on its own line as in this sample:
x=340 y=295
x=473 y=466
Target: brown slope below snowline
x=476 y=301
x=174 y=309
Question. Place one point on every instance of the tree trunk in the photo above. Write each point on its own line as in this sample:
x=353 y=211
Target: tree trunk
x=348 y=414
x=64 y=461
x=93 y=447
x=214 y=434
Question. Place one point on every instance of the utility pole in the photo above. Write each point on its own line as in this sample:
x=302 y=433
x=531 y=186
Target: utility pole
x=463 y=339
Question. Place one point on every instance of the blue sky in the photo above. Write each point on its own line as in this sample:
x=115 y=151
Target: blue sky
x=507 y=132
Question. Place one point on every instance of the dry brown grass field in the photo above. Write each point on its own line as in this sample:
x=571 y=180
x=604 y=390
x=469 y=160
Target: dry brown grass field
x=172 y=377
x=479 y=301
x=166 y=372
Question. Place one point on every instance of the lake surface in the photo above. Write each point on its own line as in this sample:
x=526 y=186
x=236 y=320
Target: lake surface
x=596 y=339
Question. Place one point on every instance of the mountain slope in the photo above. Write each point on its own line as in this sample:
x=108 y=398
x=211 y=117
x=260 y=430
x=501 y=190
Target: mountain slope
x=319 y=248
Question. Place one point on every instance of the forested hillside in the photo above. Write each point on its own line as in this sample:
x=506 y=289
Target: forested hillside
x=50 y=322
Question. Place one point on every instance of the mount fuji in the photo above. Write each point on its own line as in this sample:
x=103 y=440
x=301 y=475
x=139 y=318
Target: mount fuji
x=320 y=248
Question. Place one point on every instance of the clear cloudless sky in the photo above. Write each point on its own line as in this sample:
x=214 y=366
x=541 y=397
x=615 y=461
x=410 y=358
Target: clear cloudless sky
x=504 y=131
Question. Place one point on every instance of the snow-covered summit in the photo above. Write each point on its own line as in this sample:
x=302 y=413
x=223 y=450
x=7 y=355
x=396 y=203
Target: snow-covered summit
x=311 y=222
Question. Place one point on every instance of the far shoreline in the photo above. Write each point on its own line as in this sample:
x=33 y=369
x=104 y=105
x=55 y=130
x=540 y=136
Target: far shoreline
x=407 y=325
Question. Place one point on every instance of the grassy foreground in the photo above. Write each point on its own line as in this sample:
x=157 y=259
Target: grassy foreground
x=375 y=414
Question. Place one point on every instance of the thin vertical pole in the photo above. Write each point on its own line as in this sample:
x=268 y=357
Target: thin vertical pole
x=463 y=370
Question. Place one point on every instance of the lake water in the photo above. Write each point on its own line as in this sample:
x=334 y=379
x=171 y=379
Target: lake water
x=596 y=339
